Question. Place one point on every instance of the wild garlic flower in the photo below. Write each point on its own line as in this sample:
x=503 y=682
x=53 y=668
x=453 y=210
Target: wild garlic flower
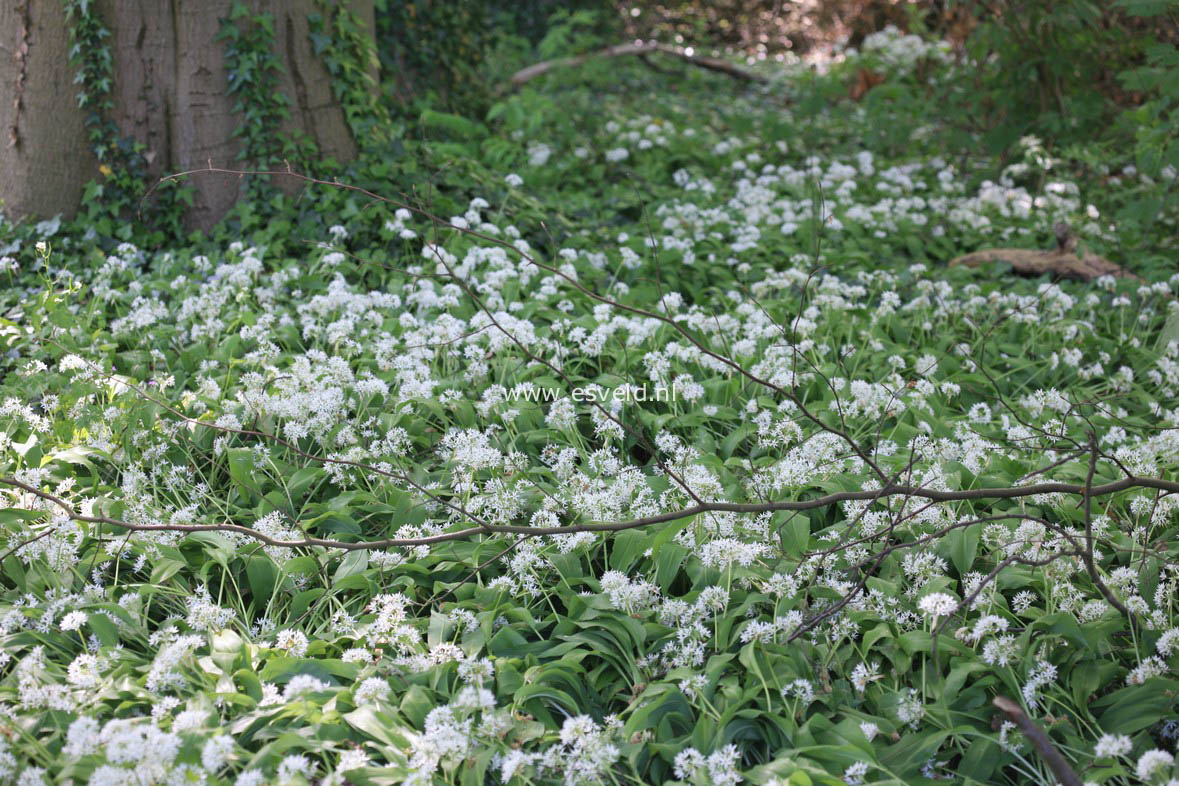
x=1111 y=745
x=1152 y=763
x=938 y=604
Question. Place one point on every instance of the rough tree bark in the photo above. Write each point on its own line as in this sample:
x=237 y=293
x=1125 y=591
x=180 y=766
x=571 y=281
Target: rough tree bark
x=169 y=92
x=44 y=160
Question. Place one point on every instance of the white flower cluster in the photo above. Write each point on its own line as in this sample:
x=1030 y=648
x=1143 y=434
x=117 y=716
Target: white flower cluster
x=719 y=768
x=901 y=51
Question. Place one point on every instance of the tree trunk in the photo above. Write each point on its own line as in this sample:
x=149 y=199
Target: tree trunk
x=169 y=92
x=44 y=158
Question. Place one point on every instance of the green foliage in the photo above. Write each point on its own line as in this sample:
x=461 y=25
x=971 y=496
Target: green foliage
x=257 y=326
x=253 y=72
x=434 y=50
x=348 y=52
x=1155 y=124
x=458 y=56
x=571 y=33
x=1065 y=71
x=1037 y=73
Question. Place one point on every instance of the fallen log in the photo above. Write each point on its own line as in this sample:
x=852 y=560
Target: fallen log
x=1062 y=261
x=525 y=75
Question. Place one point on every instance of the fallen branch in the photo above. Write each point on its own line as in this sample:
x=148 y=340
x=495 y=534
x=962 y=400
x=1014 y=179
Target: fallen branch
x=836 y=498
x=1064 y=261
x=525 y=75
x=1028 y=262
x=1040 y=741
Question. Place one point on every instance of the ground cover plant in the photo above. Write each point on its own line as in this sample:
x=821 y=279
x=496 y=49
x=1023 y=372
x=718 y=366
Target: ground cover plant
x=647 y=439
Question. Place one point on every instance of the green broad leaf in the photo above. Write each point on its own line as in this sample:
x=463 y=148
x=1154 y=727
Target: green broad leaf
x=625 y=549
x=372 y=722
x=1170 y=331
x=658 y=540
x=216 y=546
x=249 y=682
x=354 y=562
x=280 y=669
x=440 y=630
x=508 y=643
x=19 y=515
x=1088 y=677
x=668 y=559
x=980 y=760
x=916 y=641
x=14 y=571
x=416 y=705
x=165 y=569
x=102 y=626
x=568 y=565
x=1134 y=708
x=241 y=471
x=960 y=673
x=78 y=454
x=474 y=769
x=303 y=600
x=795 y=532
x=563 y=701
x=23 y=448
x=657 y=704
x=301 y=482
x=838 y=757
x=1064 y=625
x=508 y=678
x=907 y=757
x=735 y=438
x=262 y=575
x=963 y=547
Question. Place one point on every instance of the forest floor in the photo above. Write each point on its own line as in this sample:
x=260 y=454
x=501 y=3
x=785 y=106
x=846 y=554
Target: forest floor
x=649 y=439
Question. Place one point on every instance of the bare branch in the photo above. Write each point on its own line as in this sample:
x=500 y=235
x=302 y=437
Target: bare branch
x=640 y=49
